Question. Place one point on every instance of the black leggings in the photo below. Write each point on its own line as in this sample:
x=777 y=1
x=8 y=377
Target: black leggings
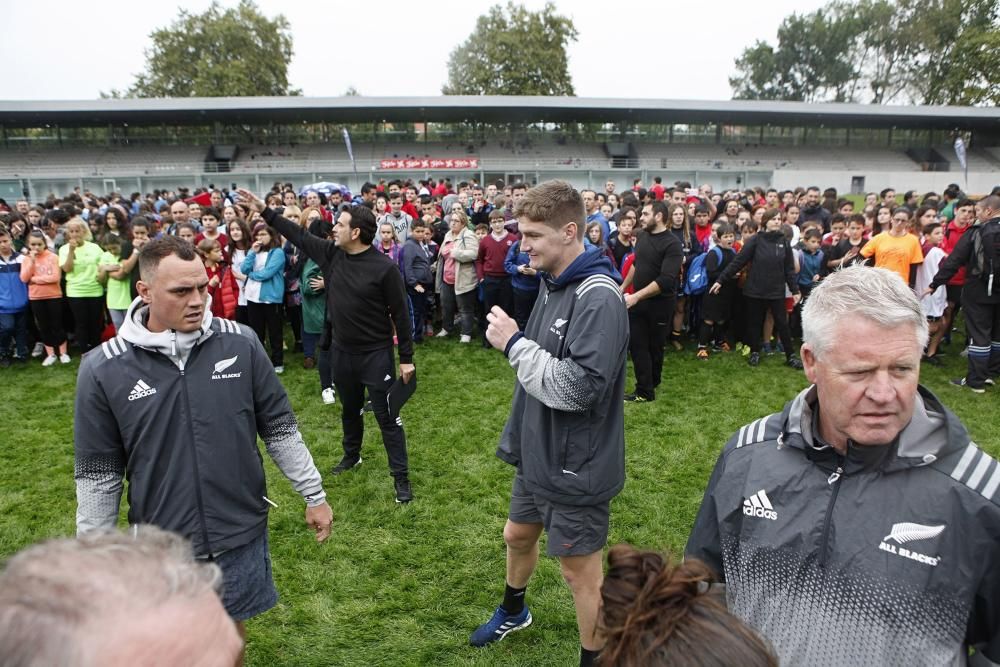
x=267 y=317
x=757 y=311
x=88 y=314
x=48 y=315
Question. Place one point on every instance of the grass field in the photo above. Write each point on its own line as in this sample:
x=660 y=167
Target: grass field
x=405 y=585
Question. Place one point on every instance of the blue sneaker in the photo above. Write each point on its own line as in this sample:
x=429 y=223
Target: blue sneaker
x=501 y=625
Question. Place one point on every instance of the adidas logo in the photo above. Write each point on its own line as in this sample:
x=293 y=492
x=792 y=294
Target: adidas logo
x=759 y=505
x=141 y=390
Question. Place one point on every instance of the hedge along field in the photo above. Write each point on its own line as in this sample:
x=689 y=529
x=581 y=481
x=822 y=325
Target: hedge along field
x=406 y=585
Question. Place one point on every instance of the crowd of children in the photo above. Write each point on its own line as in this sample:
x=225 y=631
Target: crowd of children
x=750 y=260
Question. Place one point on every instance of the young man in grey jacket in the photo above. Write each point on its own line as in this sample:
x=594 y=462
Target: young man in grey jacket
x=565 y=434
x=174 y=404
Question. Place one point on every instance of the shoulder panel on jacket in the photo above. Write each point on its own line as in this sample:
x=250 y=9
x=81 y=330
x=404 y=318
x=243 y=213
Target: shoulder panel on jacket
x=115 y=347
x=764 y=429
x=225 y=326
x=977 y=470
x=593 y=282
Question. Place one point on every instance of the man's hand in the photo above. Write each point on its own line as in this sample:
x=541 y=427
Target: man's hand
x=631 y=300
x=926 y=292
x=715 y=288
x=419 y=289
x=501 y=328
x=406 y=371
x=320 y=519
x=317 y=283
x=796 y=298
x=252 y=200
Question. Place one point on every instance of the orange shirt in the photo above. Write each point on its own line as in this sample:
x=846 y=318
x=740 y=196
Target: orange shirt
x=42 y=276
x=895 y=253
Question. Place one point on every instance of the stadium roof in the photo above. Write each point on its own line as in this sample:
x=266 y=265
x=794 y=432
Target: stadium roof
x=491 y=109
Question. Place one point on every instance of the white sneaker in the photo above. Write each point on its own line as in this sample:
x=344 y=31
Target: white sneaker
x=329 y=396
x=465 y=339
x=64 y=358
x=279 y=369
x=442 y=334
x=49 y=360
x=38 y=351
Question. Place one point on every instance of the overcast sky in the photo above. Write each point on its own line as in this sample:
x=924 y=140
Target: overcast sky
x=669 y=50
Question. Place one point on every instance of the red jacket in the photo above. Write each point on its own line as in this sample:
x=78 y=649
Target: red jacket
x=225 y=294
x=952 y=233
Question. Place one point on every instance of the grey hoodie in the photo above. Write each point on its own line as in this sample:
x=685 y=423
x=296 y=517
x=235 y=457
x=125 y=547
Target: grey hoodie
x=178 y=415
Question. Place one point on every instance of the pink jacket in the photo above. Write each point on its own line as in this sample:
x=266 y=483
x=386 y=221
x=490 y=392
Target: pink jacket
x=42 y=275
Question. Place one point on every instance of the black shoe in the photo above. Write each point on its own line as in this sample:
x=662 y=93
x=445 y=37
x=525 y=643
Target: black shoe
x=960 y=382
x=754 y=359
x=345 y=465
x=403 y=492
x=794 y=362
x=636 y=398
x=932 y=360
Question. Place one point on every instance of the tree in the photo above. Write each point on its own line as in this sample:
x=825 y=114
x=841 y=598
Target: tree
x=878 y=51
x=513 y=51
x=219 y=53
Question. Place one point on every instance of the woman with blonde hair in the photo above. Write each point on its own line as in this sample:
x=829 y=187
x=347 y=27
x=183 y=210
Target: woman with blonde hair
x=456 y=276
x=80 y=259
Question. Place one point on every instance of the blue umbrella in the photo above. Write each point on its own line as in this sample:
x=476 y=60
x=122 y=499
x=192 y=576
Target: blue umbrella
x=325 y=188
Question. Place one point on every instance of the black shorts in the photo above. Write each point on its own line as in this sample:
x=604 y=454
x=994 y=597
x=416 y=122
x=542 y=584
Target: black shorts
x=573 y=530
x=247 y=586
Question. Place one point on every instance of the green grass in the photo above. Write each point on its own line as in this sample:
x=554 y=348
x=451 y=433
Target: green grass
x=406 y=585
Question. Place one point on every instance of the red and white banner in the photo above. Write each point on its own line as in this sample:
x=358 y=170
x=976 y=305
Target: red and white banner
x=431 y=163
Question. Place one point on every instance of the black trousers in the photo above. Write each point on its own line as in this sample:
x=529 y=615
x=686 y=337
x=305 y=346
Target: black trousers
x=48 y=314
x=266 y=317
x=524 y=302
x=88 y=317
x=983 y=323
x=293 y=314
x=649 y=327
x=353 y=373
x=497 y=291
x=757 y=311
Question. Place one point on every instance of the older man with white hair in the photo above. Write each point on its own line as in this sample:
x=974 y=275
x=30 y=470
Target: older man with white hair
x=860 y=525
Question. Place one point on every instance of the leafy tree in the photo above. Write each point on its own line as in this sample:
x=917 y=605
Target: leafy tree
x=513 y=51
x=878 y=51
x=219 y=53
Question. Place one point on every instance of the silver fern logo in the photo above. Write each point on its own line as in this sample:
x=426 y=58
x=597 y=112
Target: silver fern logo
x=902 y=533
x=220 y=366
x=911 y=532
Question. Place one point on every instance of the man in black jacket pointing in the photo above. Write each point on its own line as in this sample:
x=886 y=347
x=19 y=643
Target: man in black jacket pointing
x=366 y=302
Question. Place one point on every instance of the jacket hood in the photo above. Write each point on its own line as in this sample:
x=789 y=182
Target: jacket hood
x=932 y=433
x=592 y=262
x=176 y=345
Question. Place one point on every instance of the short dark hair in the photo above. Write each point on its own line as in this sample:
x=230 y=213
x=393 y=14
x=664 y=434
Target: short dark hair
x=395 y=195
x=366 y=188
x=930 y=227
x=660 y=207
x=859 y=218
x=725 y=228
x=837 y=217
x=812 y=233
x=363 y=219
x=165 y=246
x=212 y=212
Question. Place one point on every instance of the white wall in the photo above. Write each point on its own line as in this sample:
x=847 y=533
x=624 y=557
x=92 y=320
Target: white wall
x=979 y=183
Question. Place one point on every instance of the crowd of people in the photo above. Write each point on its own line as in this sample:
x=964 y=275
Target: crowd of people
x=568 y=285
x=734 y=268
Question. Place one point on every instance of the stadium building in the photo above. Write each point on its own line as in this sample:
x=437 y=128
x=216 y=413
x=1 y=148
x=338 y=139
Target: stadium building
x=137 y=145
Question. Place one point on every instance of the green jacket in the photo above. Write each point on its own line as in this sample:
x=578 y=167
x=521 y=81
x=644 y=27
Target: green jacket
x=313 y=302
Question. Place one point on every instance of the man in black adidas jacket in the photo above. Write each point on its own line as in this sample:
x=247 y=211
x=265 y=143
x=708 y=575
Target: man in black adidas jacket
x=174 y=404
x=859 y=526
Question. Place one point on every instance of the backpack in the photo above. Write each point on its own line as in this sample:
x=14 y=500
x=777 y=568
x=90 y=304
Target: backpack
x=697 y=278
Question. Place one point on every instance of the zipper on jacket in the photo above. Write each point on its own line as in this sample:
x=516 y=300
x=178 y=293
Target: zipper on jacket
x=834 y=480
x=194 y=462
